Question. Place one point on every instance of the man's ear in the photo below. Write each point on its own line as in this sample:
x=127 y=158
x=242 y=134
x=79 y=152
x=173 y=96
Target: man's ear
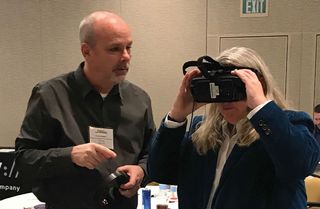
x=85 y=50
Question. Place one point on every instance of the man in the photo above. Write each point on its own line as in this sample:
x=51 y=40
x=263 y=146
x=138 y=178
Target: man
x=82 y=126
x=316 y=121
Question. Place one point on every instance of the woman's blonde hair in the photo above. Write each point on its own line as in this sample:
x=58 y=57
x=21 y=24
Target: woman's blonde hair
x=211 y=133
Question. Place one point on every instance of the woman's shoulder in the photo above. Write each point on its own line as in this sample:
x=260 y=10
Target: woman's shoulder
x=301 y=117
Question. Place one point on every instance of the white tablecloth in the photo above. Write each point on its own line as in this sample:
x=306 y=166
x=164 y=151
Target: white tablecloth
x=22 y=201
x=28 y=200
x=155 y=199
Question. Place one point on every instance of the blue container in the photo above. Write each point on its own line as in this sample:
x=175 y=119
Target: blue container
x=146 y=198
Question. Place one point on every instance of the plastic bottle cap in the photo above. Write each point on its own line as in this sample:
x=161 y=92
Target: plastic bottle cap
x=173 y=188
x=164 y=186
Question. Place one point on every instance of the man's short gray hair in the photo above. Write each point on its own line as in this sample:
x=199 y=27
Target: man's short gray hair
x=86 y=31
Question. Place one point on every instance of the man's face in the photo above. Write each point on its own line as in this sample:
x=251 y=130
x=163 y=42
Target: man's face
x=110 y=56
x=316 y=118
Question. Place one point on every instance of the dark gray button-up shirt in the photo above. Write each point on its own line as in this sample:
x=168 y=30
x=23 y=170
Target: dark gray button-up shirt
x=58 y=117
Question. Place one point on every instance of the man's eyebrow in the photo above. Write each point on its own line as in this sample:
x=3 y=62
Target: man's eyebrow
x=120 y=44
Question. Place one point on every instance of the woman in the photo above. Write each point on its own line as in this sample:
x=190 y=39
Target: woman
x=248 y=154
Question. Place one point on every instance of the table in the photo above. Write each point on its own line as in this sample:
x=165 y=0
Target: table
x=29 y=200
x=156 y=199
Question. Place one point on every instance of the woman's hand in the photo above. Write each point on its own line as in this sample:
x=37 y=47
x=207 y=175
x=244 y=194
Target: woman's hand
x=254 y=90
x=183 y=104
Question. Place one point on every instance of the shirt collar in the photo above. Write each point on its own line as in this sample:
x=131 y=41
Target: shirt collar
x=85 y=86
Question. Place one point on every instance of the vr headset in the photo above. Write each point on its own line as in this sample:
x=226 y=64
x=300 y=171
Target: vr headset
x=216 y=84
x=108 y=190
x=113 y=182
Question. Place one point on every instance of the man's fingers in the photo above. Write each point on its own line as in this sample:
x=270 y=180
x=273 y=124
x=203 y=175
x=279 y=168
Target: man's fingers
x=125 y=192
x=129 y=192
x=105 y=152
x=90 y=155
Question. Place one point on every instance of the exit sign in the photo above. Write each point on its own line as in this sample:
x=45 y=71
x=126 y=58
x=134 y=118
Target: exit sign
x=254 y=8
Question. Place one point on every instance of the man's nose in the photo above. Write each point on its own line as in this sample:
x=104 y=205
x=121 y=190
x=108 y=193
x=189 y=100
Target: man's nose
x=126 y=55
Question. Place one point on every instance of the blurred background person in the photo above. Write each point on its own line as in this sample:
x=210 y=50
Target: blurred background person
x=316 y=121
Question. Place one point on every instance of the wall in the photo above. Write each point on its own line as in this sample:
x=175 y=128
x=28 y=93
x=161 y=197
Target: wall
x=288 y=40
x=39 y=40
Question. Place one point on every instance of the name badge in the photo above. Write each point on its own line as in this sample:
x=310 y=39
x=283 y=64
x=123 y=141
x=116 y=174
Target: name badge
x=103 y=136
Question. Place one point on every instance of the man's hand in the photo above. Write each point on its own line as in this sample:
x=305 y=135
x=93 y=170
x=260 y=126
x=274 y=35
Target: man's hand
x=136 y=174
x=89 y=155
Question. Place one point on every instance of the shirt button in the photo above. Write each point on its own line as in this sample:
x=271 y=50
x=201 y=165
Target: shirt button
x=261 y=123
x=267 y=131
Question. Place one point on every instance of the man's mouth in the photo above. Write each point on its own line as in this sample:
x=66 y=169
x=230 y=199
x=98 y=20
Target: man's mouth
x=122 y=68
